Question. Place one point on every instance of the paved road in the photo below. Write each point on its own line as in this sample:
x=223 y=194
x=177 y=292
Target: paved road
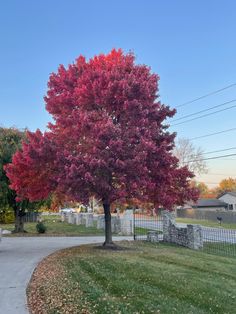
x=18 y=259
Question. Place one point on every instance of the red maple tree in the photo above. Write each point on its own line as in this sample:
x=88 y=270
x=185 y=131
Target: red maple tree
x=108 y=139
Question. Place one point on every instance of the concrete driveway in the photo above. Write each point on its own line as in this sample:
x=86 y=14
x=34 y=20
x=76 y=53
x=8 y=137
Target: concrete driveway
x=18 y=259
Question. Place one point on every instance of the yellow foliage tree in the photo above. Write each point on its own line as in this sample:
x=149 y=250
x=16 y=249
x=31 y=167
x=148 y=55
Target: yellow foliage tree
x=227 y=185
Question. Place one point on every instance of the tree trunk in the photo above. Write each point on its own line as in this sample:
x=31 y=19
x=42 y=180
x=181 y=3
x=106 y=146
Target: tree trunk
x=108 y=234
x=19 y=221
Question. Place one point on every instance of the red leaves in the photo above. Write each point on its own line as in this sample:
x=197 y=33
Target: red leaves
x=108 y=139
x=31 y=168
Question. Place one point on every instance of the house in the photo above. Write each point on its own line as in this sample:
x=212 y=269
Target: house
x=205 y=204
x=210 y=204
x=230 y=199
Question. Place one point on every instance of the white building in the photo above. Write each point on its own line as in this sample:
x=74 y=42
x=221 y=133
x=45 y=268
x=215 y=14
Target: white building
x=230 y=199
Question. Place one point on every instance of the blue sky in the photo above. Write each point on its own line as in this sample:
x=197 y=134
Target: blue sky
x=190 y=44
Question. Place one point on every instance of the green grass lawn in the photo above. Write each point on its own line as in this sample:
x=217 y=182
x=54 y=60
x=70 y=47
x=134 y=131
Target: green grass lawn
x=55 y=227
x=144 y=278
x=206 y=223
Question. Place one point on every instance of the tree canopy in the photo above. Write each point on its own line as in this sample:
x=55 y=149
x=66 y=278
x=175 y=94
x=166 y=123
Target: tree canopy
x=108 y=138
x=227 y=185
x=10 y=142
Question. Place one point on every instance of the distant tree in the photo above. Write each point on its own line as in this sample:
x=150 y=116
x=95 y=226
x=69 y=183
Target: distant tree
x=108 y=139
x=190 y=156
x=227 y=185
x=203 y=189
x=10 y=142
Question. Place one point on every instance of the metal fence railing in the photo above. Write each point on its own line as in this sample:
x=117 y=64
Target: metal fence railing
x=143 y=223
x=31 y=217
x=219 y=241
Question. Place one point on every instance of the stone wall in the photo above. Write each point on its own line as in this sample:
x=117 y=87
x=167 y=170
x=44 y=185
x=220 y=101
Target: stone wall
x=127 y=222
x=189 y=236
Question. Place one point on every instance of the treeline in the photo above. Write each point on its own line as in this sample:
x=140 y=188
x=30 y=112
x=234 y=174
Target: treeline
x=225 y=185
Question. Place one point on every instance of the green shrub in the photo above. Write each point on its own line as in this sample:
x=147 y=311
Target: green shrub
x=40 y=227
x=7 y=216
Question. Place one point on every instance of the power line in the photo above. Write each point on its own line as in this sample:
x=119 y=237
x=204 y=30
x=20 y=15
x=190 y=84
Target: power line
x=217 y=174
x=210 y=182
x=217 y=151
x=216 y=157
x=205 y=115
x=201 y=111
x=206 y=95
x=229 y=159
x=211 y=134
x=220 y=150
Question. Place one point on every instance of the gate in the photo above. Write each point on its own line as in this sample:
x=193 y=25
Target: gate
x=146 y=223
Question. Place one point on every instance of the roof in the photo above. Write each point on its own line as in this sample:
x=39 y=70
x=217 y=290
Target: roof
x=209 y=202
x=230 y=193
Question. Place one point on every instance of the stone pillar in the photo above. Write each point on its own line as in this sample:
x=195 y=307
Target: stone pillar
x=71 y=218
x=63 y=217
x=78 y=219
x=83 y=218
x=101 y=222
x=95 y=218
x=117 y=225
x=89 y=220
x=127 y=222
x=168 y=219
x=195 y=240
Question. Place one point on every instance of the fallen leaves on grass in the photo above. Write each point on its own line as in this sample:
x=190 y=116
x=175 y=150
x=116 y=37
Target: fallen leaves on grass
x=48 y=292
